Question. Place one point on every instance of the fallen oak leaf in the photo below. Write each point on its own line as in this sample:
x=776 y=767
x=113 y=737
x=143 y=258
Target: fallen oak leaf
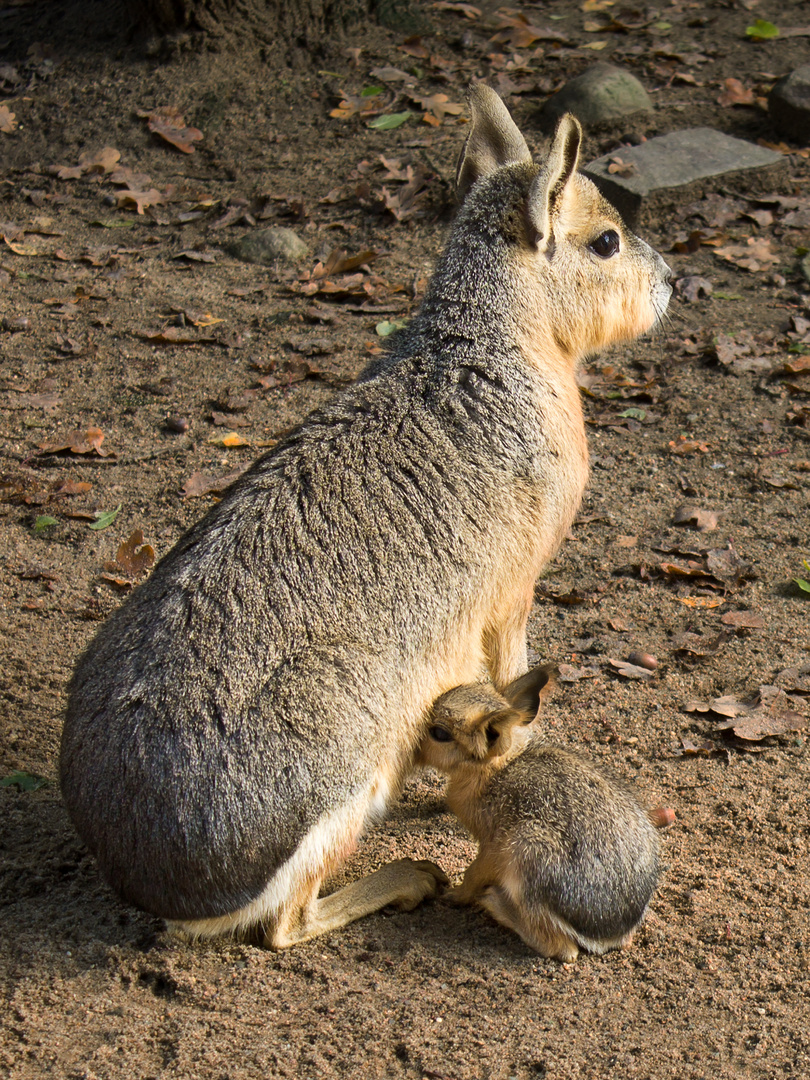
x=8 y=120
x=703 y=520
x=735 y=94
x=168 y=123
x=78 y=442
x=100 y=161
x=436 y=107
x=755 y=255
x=133 y=558
x=138 y=200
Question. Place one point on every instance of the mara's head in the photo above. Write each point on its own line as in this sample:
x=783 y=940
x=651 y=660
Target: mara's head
x=475 y=725
x=582 y=280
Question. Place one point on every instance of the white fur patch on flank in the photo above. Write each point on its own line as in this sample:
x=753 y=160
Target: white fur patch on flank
x=334 y=834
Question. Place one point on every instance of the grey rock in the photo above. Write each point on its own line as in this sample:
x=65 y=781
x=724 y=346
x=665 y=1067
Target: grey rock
x=268 y=246
x=789 y=104
x=601 y=96
x=666 y=171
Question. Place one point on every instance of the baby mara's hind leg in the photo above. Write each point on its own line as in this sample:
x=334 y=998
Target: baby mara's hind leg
x=541 y=932
x=404 y=884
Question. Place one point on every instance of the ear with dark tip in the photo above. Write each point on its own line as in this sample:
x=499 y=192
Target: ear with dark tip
x=546 y=193
x=493 y=140
x=529 y=692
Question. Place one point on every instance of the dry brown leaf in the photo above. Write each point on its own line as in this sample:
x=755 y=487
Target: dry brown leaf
x=467 y=10
x=570 y=674
x=353 y=105
x=764 y=721
x=700 y=601
x=795 y=679
x=199 y=483
x=735 y=94
x=621 y=168
x=683 y=445
x=631 y=671
x=79 y=442
x=727 y=566
x=99 y=161
x=743 y=620
x=689 y=746
x=8 y=120
x=755 y=255
x=514 y=29
x=339 y=262
x=131 y=562
x=173 y=335
x=698 y=646
x=138 y=200
x=436 y=107
x=703 y=520
x=168 y=123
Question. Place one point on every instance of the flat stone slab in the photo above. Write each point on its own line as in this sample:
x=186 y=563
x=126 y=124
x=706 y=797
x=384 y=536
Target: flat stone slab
x=673 y=169
x=789 y=104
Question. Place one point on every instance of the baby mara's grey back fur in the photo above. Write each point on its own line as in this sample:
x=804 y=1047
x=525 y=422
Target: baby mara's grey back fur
x=249 y=709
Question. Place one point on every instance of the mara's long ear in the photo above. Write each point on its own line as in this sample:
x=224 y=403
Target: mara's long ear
x=529 y=692
x=547 y=191
x=493 y=140
x=497 y=728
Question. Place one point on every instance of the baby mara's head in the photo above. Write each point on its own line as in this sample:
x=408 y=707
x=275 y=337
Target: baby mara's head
x=475 y=726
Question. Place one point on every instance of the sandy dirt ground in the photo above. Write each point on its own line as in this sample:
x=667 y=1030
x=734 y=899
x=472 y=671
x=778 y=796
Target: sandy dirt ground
x=145 y=328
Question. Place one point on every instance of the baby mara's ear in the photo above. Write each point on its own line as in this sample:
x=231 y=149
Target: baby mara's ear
x=548 y=191
x=493 y=141
x=528 y=693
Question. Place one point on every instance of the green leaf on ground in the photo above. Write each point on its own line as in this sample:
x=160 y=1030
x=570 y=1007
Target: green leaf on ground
x=385 y=327
x=43 y=522
x=762 y=30
x=105 y=519
x=24 y=781
x=804 y=585
x=390 y=121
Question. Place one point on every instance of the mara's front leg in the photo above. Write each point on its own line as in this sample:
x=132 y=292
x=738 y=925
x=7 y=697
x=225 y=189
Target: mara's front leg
x=505 y=641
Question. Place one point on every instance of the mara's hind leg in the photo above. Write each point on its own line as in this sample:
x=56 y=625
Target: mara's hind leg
x=541 y=932
x=403 y=884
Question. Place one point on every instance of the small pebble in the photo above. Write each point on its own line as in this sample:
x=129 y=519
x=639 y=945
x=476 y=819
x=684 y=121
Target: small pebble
x=643 y=659
x=177 y=423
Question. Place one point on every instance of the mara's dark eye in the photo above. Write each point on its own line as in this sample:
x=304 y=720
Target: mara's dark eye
x=440 y=734
x=605 y=245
